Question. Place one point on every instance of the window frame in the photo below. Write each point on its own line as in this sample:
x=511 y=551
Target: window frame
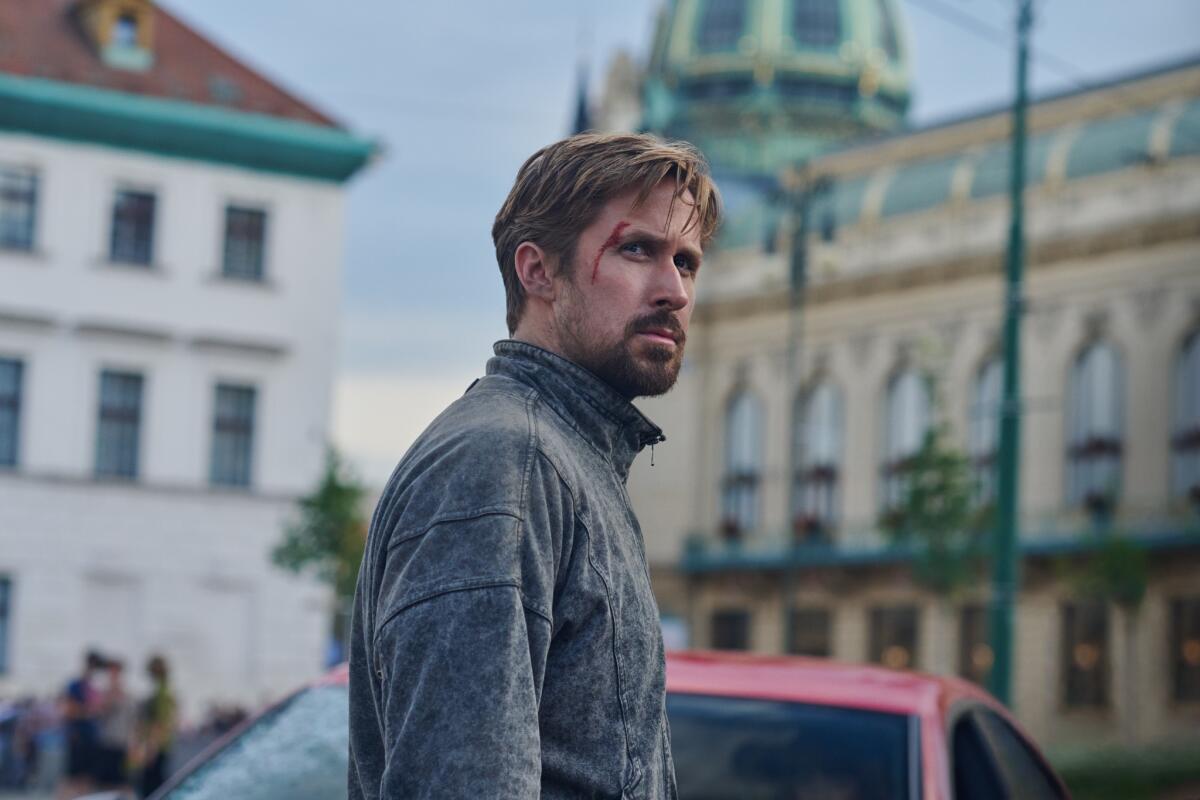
x=897 y=457
x=884 y=620
x=233 y=426
x=983 y=425
x=133 y=417
x=259 y=272
x=703 y=35
x=133 y=255
x=1069 y=702
x=25 y=199
x=1179 y=618
x=1088 y=445
x=1185 y=421
x=966 y=653
x=809 y=8
x=824 y=614
x=725 y=616
x=12 y=404
x=741 y=483
x=6 y=621
x=816 y=484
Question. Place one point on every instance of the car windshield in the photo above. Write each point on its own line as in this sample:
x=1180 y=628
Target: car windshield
x=748 y=749
x=298 y=751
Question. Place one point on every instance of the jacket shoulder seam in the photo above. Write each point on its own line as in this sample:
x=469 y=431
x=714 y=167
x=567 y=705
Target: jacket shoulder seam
x=400 y=537
x=462 y=585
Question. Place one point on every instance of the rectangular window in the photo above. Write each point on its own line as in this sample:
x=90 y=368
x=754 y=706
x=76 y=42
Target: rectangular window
x=731 y=630
x=245 y=237
x=893 y=637
x=722 y=24
x=1185 y=649
x=132 y=228
x=10 y=411
x=233 y=435
x=18 y=208
x=119 y=428
x=974 y=651
x=5 y=620
x=808 y=632
x=1085 y=654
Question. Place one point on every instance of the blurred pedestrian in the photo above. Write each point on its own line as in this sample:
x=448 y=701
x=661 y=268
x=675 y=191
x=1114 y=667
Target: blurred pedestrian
x=80 y=705
x=115 y=726
x=156 y=727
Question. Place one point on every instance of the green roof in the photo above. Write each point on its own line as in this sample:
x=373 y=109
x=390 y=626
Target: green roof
x=919 y=185
x=1185 y=135
x=991 y=173
x=178 y=128
x=1111 y=144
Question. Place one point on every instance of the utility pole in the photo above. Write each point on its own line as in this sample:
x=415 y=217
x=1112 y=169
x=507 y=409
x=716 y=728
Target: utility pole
x=1004 y=559
x=803 y=190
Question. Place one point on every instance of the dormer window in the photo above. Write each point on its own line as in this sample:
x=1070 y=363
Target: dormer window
x=121 y=31
x=125 y=32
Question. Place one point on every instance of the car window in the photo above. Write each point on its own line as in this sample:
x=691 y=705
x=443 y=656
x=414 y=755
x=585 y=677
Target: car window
x=298 y=751
x=1023 y=771
x=746 y=749
x=993 y=762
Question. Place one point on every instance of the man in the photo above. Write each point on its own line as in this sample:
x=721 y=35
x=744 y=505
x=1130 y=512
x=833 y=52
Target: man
x=505 y=641
x=80 y=702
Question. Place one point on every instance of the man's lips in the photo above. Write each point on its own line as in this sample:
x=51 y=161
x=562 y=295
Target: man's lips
x=662 y=335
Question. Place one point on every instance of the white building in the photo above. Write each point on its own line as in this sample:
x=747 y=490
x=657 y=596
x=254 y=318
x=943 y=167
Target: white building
x=170 y=264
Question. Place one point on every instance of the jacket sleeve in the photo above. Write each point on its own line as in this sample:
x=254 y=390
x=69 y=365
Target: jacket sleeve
x=463 y=632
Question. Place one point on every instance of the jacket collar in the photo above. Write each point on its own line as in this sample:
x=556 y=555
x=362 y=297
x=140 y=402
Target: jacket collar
x=612 y=424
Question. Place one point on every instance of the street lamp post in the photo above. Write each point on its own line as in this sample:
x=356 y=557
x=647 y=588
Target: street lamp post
x=1004 y=562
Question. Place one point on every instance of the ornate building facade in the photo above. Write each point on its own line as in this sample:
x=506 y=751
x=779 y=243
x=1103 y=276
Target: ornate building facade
x=790 y=431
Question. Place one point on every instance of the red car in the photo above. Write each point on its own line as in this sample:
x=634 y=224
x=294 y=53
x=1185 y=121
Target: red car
x=742 y=726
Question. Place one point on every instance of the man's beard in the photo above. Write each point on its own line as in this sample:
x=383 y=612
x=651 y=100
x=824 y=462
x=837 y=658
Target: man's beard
x=649 y=375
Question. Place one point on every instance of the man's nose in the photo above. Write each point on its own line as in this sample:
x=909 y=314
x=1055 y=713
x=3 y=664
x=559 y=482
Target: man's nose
x=669 y=288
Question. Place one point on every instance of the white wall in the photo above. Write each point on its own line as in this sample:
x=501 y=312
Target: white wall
x=165 y=563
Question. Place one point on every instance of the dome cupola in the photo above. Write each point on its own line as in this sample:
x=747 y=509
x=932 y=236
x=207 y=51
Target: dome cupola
x=760 y=84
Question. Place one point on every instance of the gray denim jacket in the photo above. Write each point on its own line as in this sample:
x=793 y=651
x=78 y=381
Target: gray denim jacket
x=505 y=642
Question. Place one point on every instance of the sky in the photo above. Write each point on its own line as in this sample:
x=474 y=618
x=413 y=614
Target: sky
x=459 y=94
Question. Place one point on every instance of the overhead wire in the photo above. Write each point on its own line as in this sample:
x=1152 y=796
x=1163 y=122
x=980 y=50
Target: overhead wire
x=988 y=32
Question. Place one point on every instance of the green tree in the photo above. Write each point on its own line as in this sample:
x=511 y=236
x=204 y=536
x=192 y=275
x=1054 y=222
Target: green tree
x=328 y=535
x=937 y=518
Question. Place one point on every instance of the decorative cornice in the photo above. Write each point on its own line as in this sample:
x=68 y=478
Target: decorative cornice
x=180 y=129
x=1040 y=255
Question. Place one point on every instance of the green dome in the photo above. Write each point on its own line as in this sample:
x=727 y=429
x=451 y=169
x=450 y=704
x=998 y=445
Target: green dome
x=760 y=84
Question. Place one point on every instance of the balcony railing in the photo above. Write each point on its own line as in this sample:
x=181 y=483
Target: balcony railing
x=1040 y=535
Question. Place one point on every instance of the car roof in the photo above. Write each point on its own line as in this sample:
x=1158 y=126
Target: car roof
x=816 y=680
x=797 y=679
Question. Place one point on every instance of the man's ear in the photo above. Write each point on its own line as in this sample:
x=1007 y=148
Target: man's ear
x=535 y=271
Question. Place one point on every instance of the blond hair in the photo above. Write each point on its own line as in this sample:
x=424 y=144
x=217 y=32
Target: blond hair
x=560 y=190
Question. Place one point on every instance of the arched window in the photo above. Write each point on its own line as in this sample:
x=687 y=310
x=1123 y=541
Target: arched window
x=721 y=24
x=1185 y=442
x=817 y=23
x=817 y=450
x=1094 y=430
x=984 y=428
x=743 y=465
x=907 y=421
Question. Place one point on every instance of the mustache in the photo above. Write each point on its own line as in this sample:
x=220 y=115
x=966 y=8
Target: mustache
x=664 y=320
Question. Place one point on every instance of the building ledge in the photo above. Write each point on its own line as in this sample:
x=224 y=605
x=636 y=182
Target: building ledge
x=706 y=555
x=181 y=129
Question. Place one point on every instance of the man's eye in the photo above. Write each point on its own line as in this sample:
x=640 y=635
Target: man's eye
x=685 y=263
x=637 y=248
